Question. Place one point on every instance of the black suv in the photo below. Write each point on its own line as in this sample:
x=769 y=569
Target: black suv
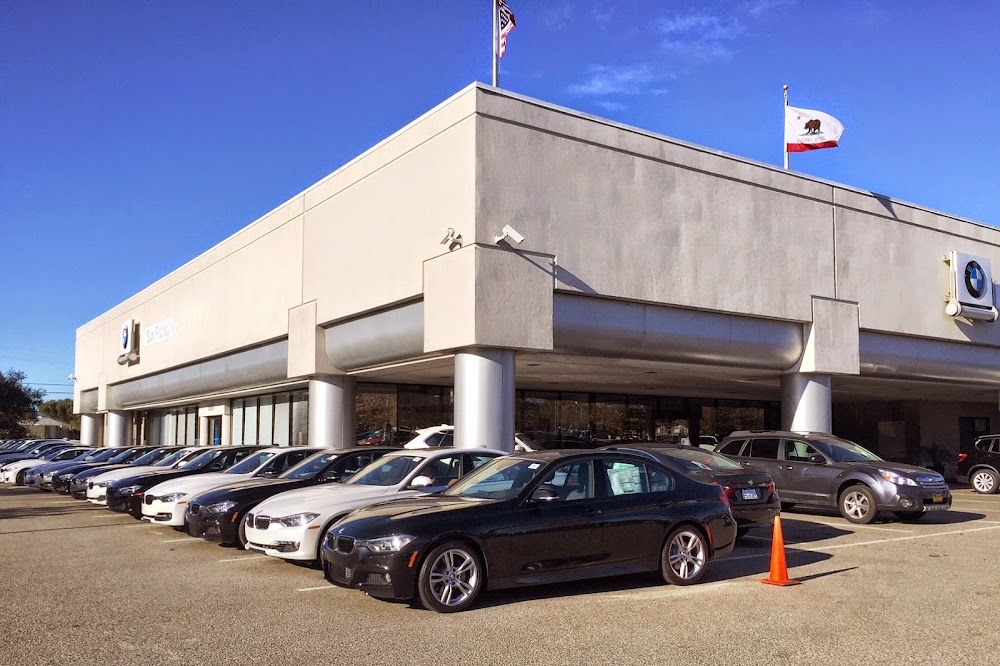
x=979 y=468
x=822 y=470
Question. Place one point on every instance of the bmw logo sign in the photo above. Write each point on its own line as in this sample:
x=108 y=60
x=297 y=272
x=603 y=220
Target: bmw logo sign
x=975 y=279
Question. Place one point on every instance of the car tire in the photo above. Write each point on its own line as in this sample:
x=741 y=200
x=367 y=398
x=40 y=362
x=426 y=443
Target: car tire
x=19 y=481
x=684 y=558
x=910 y=516
x=985 y=481
x=241 y=534
x=858 y=505
x=787 y=506
x=452 y=566
x=741 y=532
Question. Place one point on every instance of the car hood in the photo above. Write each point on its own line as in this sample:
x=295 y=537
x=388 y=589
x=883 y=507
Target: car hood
x=21 y=464
x=325 y=499
x=873 y=466
x=393 y=517
x=127 y=470
x=250 y=488
x=198 y=483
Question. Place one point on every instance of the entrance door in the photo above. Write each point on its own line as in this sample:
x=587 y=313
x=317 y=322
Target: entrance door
x=215 y=430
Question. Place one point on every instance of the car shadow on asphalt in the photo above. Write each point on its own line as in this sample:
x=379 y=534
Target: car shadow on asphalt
x=43 y=511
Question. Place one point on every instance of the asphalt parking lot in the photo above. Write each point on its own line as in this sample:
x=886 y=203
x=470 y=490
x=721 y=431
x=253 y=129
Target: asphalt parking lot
x=82 y=585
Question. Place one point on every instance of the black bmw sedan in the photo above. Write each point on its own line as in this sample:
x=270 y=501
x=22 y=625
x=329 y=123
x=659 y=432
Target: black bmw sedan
x=751 y=494
x=531 y=518
x=126 y=494
x=217 y=515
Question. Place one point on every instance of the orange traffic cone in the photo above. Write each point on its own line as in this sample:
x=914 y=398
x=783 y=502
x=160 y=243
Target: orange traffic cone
x=779 y=570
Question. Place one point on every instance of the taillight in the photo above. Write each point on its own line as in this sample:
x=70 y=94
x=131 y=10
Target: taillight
x=962 y=456
x=769 y=490
x=724 y=493
x=730 y=493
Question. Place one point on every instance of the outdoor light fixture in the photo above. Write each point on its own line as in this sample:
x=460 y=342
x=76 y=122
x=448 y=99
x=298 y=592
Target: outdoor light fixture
x=509 y=232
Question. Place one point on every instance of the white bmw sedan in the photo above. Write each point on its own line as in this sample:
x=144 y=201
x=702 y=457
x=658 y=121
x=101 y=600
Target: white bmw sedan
x=291 y=525
x=96 y=487
x=165 y=503
x=10 y=471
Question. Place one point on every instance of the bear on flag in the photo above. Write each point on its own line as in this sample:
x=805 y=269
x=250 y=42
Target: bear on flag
x=806 y=129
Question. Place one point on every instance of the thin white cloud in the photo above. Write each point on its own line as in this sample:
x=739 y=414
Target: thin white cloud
x=602 y=12
x=706 y=36
x=557 y=16
x=605 y=80
x=611 y=106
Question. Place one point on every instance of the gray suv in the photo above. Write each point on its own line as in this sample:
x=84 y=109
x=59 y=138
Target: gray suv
x=818 y=469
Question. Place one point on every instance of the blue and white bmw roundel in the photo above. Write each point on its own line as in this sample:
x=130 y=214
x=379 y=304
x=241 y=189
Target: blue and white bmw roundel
x=975 y=279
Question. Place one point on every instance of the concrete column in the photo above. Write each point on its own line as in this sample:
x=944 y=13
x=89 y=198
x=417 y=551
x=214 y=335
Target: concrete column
x=203 y=434
x=484 y=399
x=227 y=428
x=806 y=403
x=92 y=429
x=331 y=412
x=116 y=431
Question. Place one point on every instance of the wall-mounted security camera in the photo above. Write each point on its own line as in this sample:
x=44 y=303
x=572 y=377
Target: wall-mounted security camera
x=509 y=232
x=452 y=240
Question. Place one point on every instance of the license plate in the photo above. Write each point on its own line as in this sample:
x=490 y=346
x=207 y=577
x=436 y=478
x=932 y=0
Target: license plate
x=749 y=493
x=938 y=498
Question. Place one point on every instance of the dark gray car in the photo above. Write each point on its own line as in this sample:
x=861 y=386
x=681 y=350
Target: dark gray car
x=817 y=469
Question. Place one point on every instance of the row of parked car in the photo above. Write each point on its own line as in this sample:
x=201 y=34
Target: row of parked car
x=441 y=524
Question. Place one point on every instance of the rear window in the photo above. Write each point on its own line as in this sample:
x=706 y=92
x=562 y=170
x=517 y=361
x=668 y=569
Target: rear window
x=764 y=448
x=732 y=448
x=987 y=444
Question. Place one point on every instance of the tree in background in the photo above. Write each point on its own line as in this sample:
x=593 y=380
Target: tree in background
x=61 y=410
x=18 y=404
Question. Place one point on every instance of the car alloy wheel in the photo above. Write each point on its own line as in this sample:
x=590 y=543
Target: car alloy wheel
x=857 y=504
x=684 y=556
x=984 y=482
x=450 y=578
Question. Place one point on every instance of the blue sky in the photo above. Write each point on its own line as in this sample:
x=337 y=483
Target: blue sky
x=136 y=135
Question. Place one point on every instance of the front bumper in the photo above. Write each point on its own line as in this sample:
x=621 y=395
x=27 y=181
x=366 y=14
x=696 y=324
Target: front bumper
x=919 y=499
x=382 y=575
x=220 y=527
x=97 y=494
x=77 y=489
x=289 y=543
x=131 y=504
x=163 y=513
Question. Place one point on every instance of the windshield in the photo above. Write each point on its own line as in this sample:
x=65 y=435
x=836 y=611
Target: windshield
x=499 y=479
x=200 y=461
x=149 y=457
x=101 y=456
x=842 y=450
x=251 y=463
x=172 y=459
x=386 y=471
x=71 y=454
x=700 y=459
x=122 y=456
x=51 y=455
x=309 y=467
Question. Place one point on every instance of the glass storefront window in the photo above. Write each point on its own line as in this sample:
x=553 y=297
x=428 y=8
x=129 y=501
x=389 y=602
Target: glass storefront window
x=299 y=434
x=375 y=410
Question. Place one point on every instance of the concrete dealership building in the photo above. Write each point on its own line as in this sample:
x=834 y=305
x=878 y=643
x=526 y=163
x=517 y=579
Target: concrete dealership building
x=502 y=263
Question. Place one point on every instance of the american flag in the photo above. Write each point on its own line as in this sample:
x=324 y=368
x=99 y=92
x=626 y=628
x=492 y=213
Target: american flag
x=506 y=25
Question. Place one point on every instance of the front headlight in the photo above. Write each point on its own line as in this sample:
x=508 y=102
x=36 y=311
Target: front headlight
x=296 y=520
x=221 y=507
x=172 y=497
x=129 y=490
x=391 y=544
x=898 y=479
x=102 y=484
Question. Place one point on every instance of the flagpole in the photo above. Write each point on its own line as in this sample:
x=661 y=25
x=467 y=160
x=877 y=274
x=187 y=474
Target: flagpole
x=496 y=44
x=784 y=143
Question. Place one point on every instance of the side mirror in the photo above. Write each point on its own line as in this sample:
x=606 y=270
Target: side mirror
x=544 y=494
x=817 y=458
x=330 y=477
x=268 y=474
x=422 y=482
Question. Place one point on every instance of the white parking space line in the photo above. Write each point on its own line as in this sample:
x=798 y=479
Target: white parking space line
x=312 y=589
x=956 y=500
x=184 y=540
x=808 y=547
x=244 y=559
x=112 y=515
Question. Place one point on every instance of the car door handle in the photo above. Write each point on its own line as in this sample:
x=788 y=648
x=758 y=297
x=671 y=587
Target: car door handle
x=788 y=467
x=745 y=463
x=590 y=513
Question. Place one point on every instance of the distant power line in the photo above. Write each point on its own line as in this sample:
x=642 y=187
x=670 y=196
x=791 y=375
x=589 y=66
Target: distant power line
x=39 y=384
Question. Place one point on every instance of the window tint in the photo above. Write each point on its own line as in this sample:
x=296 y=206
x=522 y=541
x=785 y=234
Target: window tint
x=474 y=461
x=434 y=440
x=447 y=440
x=574 y=481
x=764 y=448
x=386 y=471
x=352 y=463
x=797 y=451
x=984 y=444
x=283 y=462
x=733 y=448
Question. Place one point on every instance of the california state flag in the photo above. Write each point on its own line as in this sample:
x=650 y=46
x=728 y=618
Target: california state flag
x=806 y=129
